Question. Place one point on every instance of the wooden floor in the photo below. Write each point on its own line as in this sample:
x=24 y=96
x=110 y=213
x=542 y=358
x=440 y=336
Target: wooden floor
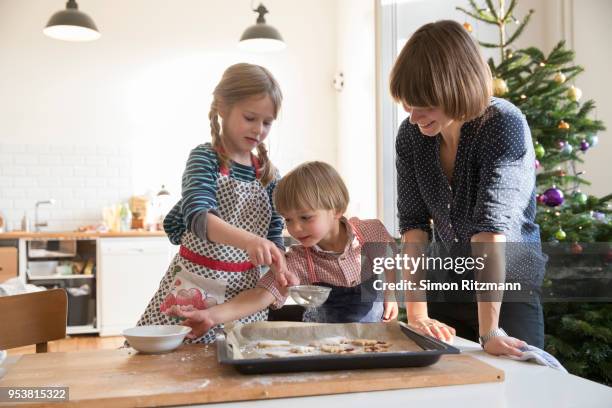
x=75 y=343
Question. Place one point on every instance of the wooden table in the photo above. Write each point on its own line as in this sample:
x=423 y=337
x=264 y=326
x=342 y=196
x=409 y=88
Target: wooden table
x=191 y=375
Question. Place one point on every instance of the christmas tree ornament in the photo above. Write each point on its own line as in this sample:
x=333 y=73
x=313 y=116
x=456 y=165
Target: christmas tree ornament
x=576 y=248
x=580 y=198
x=537 y=164
x=468 y=27
x=539 y=151
x=540 y=198
x=563 y=125
x=560 y=234
x=553 y=197
x=559 y=78
x=567 y=149
x=574 y=94
x=592 y=139
x=584 y=145
x=500 y=87
x=599 y=216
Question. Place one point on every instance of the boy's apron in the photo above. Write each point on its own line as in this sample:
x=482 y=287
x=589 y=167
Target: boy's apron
x=217 y=272
x=345 y=304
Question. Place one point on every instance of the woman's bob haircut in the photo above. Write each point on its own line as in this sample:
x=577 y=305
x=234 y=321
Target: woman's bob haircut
x=441 y=67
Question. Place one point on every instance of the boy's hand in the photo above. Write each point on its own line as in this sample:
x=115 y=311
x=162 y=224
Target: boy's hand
x=200 y=321
x=262 y=251
x=390 y=312
x=433 y=328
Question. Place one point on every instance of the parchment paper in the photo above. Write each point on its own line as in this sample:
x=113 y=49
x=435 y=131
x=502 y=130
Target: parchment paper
x=242 y=339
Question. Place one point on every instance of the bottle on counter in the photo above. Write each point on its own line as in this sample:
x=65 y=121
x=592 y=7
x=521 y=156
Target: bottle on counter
x=125 y=217
x=25 y=222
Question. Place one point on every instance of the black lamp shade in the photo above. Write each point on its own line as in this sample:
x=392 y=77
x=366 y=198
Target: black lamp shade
x=71 y=25
x=261 y=36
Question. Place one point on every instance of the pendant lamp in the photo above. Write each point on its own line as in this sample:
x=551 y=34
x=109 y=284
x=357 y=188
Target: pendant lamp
x=261 y=37
x=71 y=25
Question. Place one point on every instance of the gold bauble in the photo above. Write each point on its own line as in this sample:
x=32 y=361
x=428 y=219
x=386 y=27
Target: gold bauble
x=574 y=94
x=468 y=27
x=563 y=125
x=500 y=87
x=559 y=78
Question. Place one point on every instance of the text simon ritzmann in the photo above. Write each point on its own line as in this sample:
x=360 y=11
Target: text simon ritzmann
x=426 y=284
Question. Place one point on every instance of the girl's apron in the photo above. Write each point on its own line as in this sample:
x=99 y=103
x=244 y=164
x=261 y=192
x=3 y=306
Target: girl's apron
x=345 y=304
x=215 y=272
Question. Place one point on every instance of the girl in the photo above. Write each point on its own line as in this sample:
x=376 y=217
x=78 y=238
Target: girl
x=466 y=160
x=225 y=221
x=313 y=198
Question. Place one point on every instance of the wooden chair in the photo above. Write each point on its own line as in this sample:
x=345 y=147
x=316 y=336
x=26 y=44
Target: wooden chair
x=33 y=318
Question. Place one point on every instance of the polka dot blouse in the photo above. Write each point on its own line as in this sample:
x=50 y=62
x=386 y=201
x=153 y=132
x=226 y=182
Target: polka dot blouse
x=493 y=184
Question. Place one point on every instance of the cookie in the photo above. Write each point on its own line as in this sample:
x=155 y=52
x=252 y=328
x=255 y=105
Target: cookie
x=273 y=343
x=302 y=349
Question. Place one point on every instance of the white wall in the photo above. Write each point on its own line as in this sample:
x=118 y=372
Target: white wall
x=357 y=159
x=145 y=85
x=590 y=35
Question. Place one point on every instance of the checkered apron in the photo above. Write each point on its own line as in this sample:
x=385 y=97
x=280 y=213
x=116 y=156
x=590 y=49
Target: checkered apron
x=245 y=205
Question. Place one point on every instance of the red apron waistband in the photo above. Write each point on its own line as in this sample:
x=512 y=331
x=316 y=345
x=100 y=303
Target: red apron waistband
x=214 y=263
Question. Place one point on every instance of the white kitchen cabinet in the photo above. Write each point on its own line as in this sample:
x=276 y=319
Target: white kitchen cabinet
x=129 y=272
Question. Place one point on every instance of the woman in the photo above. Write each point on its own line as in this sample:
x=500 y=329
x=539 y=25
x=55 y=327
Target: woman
x=465 y=160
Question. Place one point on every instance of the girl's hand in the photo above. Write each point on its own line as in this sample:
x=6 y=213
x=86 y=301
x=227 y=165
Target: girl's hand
x=283 y=276
x=262 y=251
x=390 y=312
x=504 y=345
x=200 y=321
x=433 y=328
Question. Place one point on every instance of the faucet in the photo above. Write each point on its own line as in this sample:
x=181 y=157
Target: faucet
x=37 y=224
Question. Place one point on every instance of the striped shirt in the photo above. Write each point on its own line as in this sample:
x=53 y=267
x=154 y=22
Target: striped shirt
x=338 y=269
x=199 y=187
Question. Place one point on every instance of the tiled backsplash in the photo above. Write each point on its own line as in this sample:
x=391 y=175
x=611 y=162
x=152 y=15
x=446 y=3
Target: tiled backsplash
x=82 y=180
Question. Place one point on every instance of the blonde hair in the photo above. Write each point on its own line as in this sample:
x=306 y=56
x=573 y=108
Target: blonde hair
x=311 y=186
x=241 y=81
x=441 y=66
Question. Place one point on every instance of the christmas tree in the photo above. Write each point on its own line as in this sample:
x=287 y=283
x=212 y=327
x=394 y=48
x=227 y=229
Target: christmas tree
x=563 y=131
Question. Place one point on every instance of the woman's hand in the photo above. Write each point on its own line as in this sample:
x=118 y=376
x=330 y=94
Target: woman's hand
x=262 y=251
x=200 y=321
x=504 y=345
x=433 y=328
x=390 y=311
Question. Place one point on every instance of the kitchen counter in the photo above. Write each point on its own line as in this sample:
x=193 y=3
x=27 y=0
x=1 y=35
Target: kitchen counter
x=189 y=378
x=79 y=235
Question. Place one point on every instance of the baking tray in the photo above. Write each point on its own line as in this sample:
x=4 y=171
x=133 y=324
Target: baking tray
x=433 y=349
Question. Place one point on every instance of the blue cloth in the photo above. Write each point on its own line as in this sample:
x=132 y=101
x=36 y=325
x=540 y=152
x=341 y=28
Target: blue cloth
x=357 y=304
x=199 y=187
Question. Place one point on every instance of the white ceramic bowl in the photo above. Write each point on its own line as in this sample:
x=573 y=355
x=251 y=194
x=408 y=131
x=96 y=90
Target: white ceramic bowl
x=156 y=339
x=309 y=295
